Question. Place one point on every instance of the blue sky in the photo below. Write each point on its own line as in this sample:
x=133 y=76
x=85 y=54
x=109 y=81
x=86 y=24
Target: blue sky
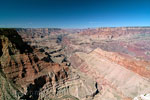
x=74 y=13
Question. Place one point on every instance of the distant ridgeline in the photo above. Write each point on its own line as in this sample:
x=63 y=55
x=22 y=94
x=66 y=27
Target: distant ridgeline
x=37 y=30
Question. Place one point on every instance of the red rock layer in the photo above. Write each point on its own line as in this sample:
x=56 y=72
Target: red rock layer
x=23 y=67
x=138 y=66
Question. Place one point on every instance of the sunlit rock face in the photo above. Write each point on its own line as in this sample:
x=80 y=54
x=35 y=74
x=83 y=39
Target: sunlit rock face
x=116 y=57
x=75 y=64
x=37 y=72
x=124 y=81
x=21 y=66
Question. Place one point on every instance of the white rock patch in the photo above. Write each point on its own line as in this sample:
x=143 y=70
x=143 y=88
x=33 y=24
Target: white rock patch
x=142 y=97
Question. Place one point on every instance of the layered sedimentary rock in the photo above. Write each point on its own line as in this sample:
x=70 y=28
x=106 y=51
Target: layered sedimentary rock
x=22 y=66
x=115 y=32
x=75 y=64
x=134 y=43
x=138 y=66
x=34 y=73
x=120 y=77
x=117 y=58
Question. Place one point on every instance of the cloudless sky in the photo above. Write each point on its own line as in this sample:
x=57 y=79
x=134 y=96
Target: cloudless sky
x=74 y=13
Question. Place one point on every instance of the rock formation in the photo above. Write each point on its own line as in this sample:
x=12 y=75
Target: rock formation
x=33 y=73
x=119 y=64
x=117 y=76
x=75 y=64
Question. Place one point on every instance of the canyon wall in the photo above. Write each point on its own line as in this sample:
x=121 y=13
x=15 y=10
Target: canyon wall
x=37 y=71
x=117 y=58
x=116 y=76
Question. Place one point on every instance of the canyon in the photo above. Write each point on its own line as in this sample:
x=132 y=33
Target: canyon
x=75 y=64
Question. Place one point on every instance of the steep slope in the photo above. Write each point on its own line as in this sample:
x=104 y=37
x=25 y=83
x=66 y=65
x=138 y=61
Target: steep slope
x=114 y=71
x=38 y=72
x=20 y=64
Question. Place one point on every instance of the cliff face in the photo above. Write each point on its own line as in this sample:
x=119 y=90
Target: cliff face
x=40 y=72
x=117 y=58
x=74 y=64
x=138 y=66
x=20 y=64
x=115 y=72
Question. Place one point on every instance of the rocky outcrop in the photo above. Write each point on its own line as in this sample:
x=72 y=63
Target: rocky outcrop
x=109 y=73
x=20 y=64
x=138 y=66
x=85 y=64
x=39 y=72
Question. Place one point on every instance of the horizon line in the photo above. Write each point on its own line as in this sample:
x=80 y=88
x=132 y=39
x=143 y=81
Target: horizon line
x=74 y=27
